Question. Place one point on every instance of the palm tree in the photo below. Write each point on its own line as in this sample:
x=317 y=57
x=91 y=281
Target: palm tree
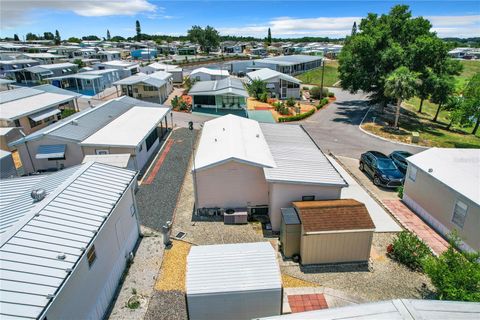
x=256 y=88
x=400 y=85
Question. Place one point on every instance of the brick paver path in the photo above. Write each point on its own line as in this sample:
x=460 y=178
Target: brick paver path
x=307 y=302
x=414 y=224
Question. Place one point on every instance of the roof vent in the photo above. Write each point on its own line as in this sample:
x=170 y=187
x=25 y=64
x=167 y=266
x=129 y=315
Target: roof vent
x=61 y=256
x=38 y=194
x=430 y=170
x=258 y=136
x=74 y=122
x=215 y=139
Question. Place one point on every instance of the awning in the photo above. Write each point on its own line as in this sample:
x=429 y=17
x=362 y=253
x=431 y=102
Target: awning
x=50 y=151
x=44 y=114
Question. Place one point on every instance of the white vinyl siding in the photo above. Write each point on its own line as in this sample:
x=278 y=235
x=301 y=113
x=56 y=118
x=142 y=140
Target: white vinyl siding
x=459 y=213
x=412 y=173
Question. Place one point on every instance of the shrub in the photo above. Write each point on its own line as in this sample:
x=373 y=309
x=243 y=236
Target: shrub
x=175 y=102
x=297 y=117
x=400 y=192
x=291 y=102
x=263 y=97
x=256 y=88
x=322 y=103
x=277 y=105
x=67 y=112
x=315 y=92
x=455 y=275
x=284 y=111
x=183 y=105
x=409 y=250
x=331 y=94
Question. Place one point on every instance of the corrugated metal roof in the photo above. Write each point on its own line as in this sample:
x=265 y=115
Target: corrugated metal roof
x=232 y=268
x=16 y=201
x=52 y=89
x=15 y=94
x=65 y=222
x=297 y=157
x=265 y=74
x=219 y=87
x=459 y=169
x=400 y=309
x=289 y=60
x=234 y=138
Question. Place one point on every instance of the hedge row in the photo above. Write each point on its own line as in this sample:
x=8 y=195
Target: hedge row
x=322 y=103
x=297 y=117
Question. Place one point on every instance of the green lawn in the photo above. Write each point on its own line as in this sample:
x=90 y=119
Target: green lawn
x=315 y=76
x=470 y=67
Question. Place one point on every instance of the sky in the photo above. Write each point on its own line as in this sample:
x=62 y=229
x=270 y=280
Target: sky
x=235 y=17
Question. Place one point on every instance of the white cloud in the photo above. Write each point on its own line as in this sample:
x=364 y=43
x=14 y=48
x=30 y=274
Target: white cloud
x=339 y=27
x=17 y=12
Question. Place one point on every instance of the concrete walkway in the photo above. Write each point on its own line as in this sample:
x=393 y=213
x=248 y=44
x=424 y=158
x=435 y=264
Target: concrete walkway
x=382 y=219
x=414 y=224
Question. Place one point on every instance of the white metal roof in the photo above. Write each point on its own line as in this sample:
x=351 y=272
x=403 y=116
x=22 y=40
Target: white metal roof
x=23 y=107
x=65 y=222
x=297 y=157
x=232 y=268
x=165 y=67
x=226 y=86
x=118 y=160
x=129 y=129
x=232 y=138
x=459 y=169
x=119 y=63
x=213 y=72
x=398 y=309
x=266 y=74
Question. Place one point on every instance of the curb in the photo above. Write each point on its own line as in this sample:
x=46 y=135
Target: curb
x=385 y=139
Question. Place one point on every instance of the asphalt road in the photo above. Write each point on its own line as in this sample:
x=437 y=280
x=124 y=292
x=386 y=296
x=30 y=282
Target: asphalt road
x=335 y=128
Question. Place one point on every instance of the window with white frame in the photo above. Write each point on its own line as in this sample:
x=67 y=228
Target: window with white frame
x=459 y=213
x=412 y=173
x=101 y=152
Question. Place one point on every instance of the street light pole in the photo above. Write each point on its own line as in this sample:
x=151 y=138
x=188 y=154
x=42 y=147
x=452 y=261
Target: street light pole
x=323 y=71
x=190 y=127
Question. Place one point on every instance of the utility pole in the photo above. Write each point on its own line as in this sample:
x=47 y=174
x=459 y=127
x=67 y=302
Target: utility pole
x=323 y=72
x=190 y=127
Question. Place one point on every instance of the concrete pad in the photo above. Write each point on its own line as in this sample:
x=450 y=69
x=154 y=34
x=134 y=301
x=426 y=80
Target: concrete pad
x=382 y=219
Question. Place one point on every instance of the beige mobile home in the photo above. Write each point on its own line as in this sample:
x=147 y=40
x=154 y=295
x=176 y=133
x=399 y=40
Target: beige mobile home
x=243 y=164
x=443 y=187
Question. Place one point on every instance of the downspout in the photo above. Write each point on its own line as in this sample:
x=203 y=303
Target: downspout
x=30 y=157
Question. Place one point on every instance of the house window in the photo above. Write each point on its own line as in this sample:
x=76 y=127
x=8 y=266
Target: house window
x=412 y=173
x=205 y=100
x=152 y=137
x=33 y=124
x=308 y=198
x=459 y=213
x=101 y=152
x=91 y=255
x=17 y=123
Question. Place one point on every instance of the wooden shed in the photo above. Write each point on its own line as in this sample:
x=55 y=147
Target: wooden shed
x=334 y=231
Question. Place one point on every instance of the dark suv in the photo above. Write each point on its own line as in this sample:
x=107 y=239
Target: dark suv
x=382 y=169
x=399 y=158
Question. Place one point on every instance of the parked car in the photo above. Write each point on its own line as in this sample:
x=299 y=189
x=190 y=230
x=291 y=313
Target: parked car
x=382 y=169
x=399 y=158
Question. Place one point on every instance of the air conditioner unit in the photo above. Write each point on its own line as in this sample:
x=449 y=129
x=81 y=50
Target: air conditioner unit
x=235 y=217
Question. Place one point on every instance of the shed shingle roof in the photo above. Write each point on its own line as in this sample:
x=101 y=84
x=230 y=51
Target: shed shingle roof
x=333 y=215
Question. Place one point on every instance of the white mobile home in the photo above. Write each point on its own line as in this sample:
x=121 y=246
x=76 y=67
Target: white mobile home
x=154 y=87
x=64 y=248
x=176 y=71
x=233 y=281
x=279 y=85
x=228 y=93
x=206 y=74
x=243 y=164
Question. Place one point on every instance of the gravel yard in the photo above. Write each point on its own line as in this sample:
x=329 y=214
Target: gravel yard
x=157 y=201
x=167 y=305
x=387 y=280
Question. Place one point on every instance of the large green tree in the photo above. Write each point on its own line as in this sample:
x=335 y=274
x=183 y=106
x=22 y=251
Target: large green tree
x=48 y=36
x=256 y=88
x=400 y=85
x=15 y=37
x=207 y=38
x=472 y=100
x=442 y=87
x=269 y=37
x=57 y=39
x=381 y=45
x=108 y=35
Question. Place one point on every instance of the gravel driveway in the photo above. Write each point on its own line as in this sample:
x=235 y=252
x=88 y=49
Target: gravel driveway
x=157 y=201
